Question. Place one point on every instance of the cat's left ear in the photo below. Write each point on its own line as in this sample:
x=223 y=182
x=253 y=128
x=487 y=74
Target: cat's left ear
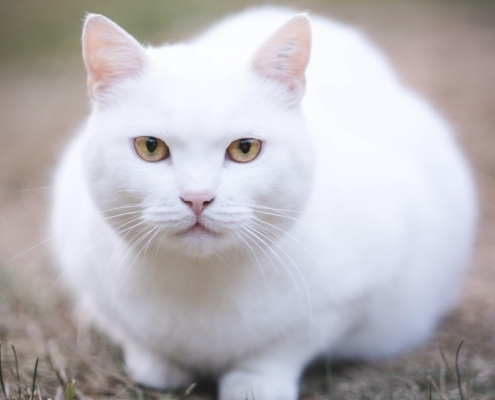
x=110 y=54
x=285 y=55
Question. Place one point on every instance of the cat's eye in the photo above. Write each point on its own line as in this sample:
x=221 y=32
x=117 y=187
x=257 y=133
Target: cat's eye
x=151 y=149
x=244 y=150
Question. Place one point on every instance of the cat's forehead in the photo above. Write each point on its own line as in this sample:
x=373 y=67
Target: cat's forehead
x=198 y=90
x=198 y=73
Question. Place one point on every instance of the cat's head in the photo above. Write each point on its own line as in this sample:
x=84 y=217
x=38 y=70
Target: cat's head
x=196 y=148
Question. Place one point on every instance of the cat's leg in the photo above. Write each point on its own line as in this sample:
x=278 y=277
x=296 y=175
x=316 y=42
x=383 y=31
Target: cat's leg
x=151 y=370
x=271 y=374
x=259 y=384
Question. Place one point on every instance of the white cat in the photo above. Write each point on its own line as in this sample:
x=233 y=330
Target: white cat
x=220 y=216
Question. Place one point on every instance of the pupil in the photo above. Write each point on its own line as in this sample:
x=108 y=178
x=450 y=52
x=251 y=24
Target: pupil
x=151 y=144
x=245 y=145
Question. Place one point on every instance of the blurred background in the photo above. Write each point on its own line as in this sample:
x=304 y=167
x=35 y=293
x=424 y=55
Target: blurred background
x=445 y=49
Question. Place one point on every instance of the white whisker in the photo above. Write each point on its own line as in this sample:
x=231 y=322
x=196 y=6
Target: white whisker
x=116 y=250
x=256 y=206
x=291 y=237
x=135 y=258
x=44 y=241
x=117 y=230
x=279 y=215
x=148 y=243
x=157 y=248
x=28 y=250
x=257 y=233
x=133 y=243
x=255 y=256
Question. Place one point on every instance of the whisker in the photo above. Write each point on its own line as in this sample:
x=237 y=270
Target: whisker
x=255 y=257
x=282 y=262
x=246 y=228
x=323 y=271
x=117 y=231
x=127 y=230
x=119 y=215
x=156 y=249
x=148 y=243
x=222 y=260
x=28 y=250
x=280 y=216
x=120 y=207
x=238 y=249
x=256 y=232
x=35 y=189
x=135 y=258
x=256 y=206
x=290 y=236
x=44 y=241
x=135 y=242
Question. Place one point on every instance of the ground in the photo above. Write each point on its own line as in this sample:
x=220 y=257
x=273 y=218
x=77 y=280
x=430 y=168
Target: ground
x=443 y=49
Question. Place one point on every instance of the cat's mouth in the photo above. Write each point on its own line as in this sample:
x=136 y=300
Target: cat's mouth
x=199 y=229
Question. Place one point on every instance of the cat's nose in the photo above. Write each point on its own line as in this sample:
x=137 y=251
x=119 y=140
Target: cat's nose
x=197 y=201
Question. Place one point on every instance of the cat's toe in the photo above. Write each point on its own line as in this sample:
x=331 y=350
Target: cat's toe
x=152 y=371
x=246 y=385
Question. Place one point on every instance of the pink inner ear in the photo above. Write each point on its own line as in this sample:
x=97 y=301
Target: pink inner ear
x=285 y=55
x=110 y=53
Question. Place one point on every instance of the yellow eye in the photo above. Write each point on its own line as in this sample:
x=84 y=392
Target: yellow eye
x=244 y=150
x=151 y=149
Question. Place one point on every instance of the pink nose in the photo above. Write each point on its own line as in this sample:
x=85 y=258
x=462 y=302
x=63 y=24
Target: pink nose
x=197 y=201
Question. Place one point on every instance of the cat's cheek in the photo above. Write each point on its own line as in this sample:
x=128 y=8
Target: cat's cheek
x=107 y=176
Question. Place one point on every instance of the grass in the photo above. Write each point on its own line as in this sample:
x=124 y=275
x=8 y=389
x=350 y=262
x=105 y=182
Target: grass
x=445 y=384
x=33 y=394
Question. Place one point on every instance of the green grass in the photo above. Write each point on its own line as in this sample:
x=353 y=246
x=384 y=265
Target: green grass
x=32 y=394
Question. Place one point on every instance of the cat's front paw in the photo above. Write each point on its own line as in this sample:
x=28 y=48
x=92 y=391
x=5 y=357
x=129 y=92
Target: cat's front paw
x=153 y=371
x=246 y=385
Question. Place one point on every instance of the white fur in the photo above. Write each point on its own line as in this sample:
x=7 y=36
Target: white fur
x=371 y=206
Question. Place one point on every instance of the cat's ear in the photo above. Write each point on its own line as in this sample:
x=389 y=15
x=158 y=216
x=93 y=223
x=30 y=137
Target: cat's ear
x=285 y=55
x=110 y=54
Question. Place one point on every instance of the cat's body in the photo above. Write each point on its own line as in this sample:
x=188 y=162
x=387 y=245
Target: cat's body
x=347 y=235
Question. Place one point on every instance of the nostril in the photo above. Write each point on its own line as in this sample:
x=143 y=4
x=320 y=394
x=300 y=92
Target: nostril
x=189 y=203
x=197 y=201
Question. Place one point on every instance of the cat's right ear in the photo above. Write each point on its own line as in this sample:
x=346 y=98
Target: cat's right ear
x=110 y=54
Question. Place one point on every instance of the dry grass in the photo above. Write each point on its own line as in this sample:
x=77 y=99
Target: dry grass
x=444 y=49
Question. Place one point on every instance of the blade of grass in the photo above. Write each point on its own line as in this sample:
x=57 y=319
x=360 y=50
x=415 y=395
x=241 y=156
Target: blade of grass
x=444 y=358
x=70 y=390
x=190 y=389
x=139 y=394
x=18 y=380
x=457 y=369
x=188 y=392
x=1 y=376
x=34 y=377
